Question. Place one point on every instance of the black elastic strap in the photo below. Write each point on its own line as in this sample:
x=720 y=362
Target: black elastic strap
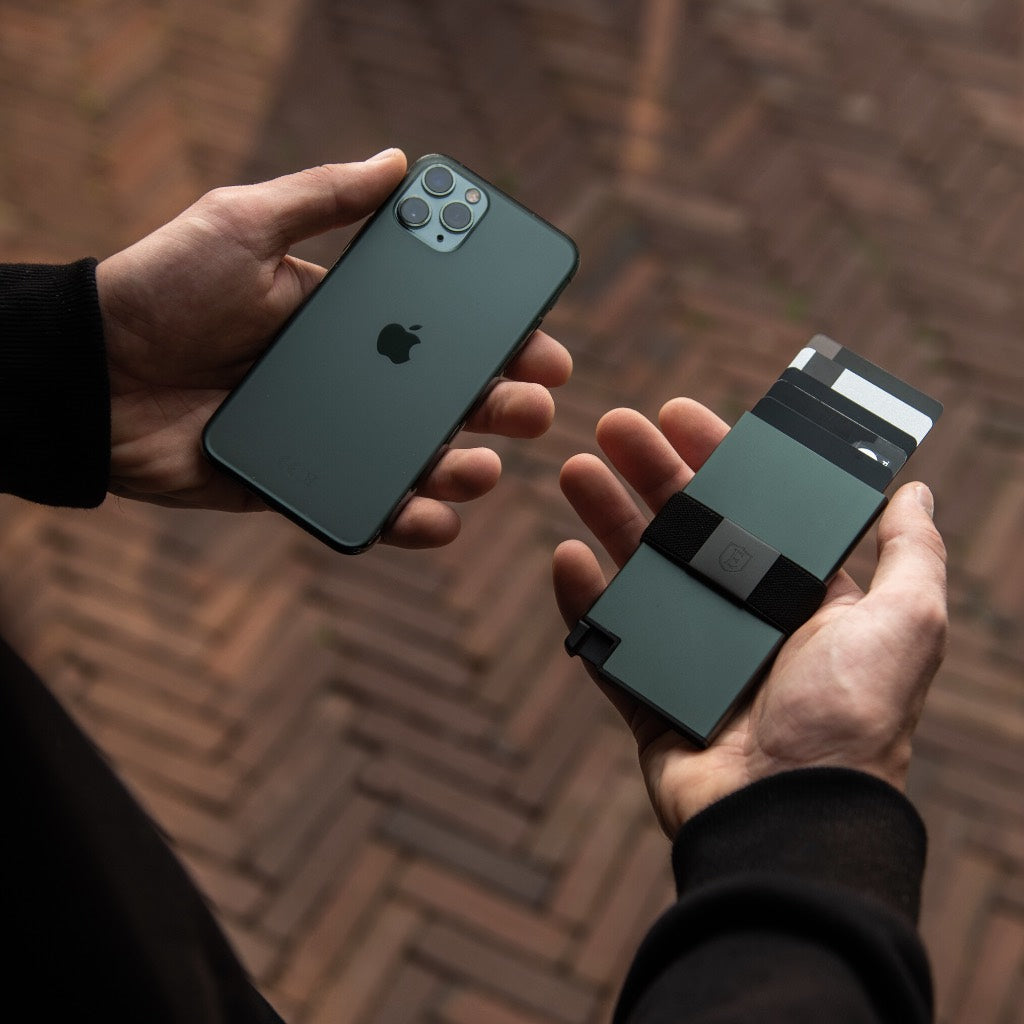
x=722 y=553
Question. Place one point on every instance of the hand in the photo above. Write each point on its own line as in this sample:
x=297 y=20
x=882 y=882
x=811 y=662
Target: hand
x=845 y=690
x=188 y=309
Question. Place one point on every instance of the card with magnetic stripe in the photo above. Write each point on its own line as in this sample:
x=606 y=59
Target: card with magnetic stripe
x=822 y=443
x=874 y=389
x=860 y=390
x=824 y=394
x=851 y=385
x=876 y=375
x=854 y=434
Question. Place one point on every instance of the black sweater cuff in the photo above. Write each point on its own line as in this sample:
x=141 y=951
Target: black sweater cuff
x=54 y=388
x=828 y=826
x=798 y=892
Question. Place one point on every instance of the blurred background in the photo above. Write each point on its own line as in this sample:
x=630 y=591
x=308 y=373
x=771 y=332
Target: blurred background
x=404 y=801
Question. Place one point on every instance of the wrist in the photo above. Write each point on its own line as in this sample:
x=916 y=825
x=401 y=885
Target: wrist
x=115 y=333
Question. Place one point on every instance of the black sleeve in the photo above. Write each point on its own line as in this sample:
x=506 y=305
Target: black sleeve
x=798 y=901
x=104 y=920
x=54 y=390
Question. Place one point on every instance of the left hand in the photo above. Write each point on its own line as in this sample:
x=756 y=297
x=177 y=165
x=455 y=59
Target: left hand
x=845 y=690
x=190 y=307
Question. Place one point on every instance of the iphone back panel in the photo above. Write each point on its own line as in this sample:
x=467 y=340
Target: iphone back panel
x=352 y=403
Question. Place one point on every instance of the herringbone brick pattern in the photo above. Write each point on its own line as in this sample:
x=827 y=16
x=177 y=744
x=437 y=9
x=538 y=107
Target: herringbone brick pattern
x=404 y=801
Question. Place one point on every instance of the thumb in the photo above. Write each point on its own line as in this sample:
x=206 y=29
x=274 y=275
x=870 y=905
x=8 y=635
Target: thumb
x=911 y=555
x=315 y=200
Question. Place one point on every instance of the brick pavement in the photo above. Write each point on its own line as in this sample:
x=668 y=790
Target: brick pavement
x=403 y=800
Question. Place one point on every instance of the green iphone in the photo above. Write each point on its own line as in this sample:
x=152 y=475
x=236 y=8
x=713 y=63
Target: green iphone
x=353 y=402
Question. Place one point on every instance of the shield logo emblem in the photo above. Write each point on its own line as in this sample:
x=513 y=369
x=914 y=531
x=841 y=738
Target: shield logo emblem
x=734 y=558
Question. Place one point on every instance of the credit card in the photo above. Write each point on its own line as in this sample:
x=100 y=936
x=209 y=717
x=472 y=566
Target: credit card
x=824 y=394
x=854 y=434
x=822 y=443
x=869 y=386
x=882 y=378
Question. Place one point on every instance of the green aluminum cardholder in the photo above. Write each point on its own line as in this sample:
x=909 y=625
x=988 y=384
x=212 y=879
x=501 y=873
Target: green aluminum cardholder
x=686 y=648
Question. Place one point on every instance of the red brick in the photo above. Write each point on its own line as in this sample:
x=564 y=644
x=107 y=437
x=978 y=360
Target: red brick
x=234 y=894
x=412 y=993
x=994 y=989
x=406 y=695
x=181 y=772
x=479 y=909
x=568 y=730
x=612 y=829
x=458 y=803
x=295 y=896
x=949 y=923
x=298 y=792
x=466 y=1006
x=351 y=994
x=641 y=888
x=256 y=952
x=508 y=873
x=582 y=792
x=432 y=749
x=513 y=977
x=188 y=825
x=321 y=945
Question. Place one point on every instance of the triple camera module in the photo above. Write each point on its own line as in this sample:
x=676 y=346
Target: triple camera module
x=441 y=207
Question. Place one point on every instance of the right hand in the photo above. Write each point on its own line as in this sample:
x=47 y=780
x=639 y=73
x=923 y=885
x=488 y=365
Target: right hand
x=845 y=690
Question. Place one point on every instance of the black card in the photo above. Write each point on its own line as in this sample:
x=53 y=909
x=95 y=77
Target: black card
x=820 y=441
x=876 y=375
x=876 y=424
x=857 y=436
x=869 y=386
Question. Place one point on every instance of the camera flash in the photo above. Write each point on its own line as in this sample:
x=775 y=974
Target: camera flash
x=472 y=195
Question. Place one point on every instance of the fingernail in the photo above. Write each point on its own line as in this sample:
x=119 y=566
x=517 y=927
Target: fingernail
x=925 y=499
x=382 y=155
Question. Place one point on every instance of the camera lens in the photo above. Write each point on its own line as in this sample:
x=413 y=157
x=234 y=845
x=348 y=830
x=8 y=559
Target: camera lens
x=438 y=180
x=456 y=216
x=413 y=212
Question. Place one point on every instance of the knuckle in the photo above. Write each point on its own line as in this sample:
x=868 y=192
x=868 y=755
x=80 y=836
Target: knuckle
x=931 y=619
x=322 y=174
x=222 y=207
x=219 y=199
x=934 y=543
x=497 y=406
x=323 y=180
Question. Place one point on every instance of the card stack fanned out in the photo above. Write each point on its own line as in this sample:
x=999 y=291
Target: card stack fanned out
x=849 y=411
x=740 y=558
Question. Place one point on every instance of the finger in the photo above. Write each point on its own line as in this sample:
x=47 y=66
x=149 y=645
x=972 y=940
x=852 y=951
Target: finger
x=640 y=452
x=603 y=504
x=317 y=199
x=543 y=360
x=578 y=579
x=462 y=474
x=513 y=409
x=911 y=554
x=692 y=429
x=423 y=523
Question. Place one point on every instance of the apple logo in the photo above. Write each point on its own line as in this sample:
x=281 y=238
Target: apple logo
x=395 y=342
